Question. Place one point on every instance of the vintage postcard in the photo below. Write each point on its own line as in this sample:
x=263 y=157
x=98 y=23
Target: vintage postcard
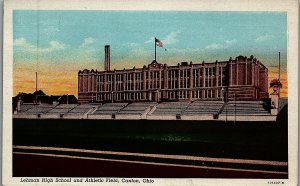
x=150 y=93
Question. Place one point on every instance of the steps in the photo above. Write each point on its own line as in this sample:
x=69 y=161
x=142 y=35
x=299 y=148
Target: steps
x=245 y=108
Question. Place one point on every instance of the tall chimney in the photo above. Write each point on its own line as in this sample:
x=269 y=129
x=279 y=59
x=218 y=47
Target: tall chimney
x=107 y=58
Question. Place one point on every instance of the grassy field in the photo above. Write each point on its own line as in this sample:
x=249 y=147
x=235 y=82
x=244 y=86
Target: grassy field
x=245 y=140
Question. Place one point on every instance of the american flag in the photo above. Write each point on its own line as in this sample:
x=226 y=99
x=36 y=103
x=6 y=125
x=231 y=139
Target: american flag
x=158 y=43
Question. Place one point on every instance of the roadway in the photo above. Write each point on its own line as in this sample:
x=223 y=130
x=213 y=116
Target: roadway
x=67 y=162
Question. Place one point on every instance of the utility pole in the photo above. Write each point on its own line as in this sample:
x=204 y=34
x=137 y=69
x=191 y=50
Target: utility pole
x=226 y=113
x=225 y=96
x=36 y=88
x=234 y=109
x=279 y=72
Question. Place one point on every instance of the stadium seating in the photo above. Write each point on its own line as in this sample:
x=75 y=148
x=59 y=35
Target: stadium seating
x=39 y=109
x=61 y=109
x=25 y=107
x=170 y=108
x=109 y=108
x=203 y=108
x=245 y=108
x=139 y=108
x=197 y=110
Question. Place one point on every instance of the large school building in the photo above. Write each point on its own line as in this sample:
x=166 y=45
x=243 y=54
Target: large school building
x=240 y=78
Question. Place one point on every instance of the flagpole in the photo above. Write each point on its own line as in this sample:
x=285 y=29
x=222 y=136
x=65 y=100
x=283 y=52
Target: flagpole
x=279 y=71
x=279 y=66
x=155 y=48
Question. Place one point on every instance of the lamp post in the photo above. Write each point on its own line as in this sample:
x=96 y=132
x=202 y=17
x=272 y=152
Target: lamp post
x=234 y=109
x=225 y=102
x=275 y=84
x=223 y=94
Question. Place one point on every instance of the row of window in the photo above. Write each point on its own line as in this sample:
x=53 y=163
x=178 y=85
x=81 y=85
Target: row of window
x=157 y=75
x=199 y=94
x=159 y=85
x=154 y=83
x=121 y=96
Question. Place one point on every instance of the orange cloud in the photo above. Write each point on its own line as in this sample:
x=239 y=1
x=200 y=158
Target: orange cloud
x=58 y=79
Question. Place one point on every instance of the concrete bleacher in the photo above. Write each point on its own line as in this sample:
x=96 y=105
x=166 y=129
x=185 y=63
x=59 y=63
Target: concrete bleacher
x=167 y=110
x=33 y=110
x=135 y=110
x=110 y=108
x=69 y=111
x=25 y=107
x=245 y=108
x=81 y=111
x=245 y=111
x=58 y=111
x=197 y=110
x=61 y=109
x=170 y=108
x=202 y=110
x=107 y=111
x=39 y=109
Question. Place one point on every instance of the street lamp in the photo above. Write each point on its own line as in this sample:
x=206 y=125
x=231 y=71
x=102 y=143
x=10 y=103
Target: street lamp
x=224 y=93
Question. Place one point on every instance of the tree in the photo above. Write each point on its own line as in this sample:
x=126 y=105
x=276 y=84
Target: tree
x=276 y=85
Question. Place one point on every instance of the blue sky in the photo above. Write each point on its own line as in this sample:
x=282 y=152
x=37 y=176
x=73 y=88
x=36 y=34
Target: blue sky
x=76 y=39
x=131 y=32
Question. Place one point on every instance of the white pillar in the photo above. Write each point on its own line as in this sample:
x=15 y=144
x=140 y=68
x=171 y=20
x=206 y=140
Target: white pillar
x=183 y=78
x=179 y=78
x=159 y=79
x=186 y=78
x=174 y=79
x=204 y=78
x=221 y=76
x=171 y=79
x=274 y=103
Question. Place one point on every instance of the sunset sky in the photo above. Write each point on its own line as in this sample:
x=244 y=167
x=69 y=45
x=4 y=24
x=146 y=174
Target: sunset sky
x=57 y=44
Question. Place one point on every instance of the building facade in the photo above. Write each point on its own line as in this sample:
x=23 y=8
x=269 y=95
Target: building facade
x=241 y=78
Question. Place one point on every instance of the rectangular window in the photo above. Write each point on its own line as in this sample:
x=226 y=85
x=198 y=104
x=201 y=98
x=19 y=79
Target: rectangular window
x=223 y=81
x=206 y=82
x=214 y=71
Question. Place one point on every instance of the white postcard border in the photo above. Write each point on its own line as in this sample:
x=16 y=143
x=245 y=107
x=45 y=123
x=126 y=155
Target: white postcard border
x=289 y=6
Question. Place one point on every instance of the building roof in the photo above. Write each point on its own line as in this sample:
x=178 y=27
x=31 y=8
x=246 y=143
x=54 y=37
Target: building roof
x=156 y=65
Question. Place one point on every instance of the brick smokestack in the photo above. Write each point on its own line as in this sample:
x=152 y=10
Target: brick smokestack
x=107 y=58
